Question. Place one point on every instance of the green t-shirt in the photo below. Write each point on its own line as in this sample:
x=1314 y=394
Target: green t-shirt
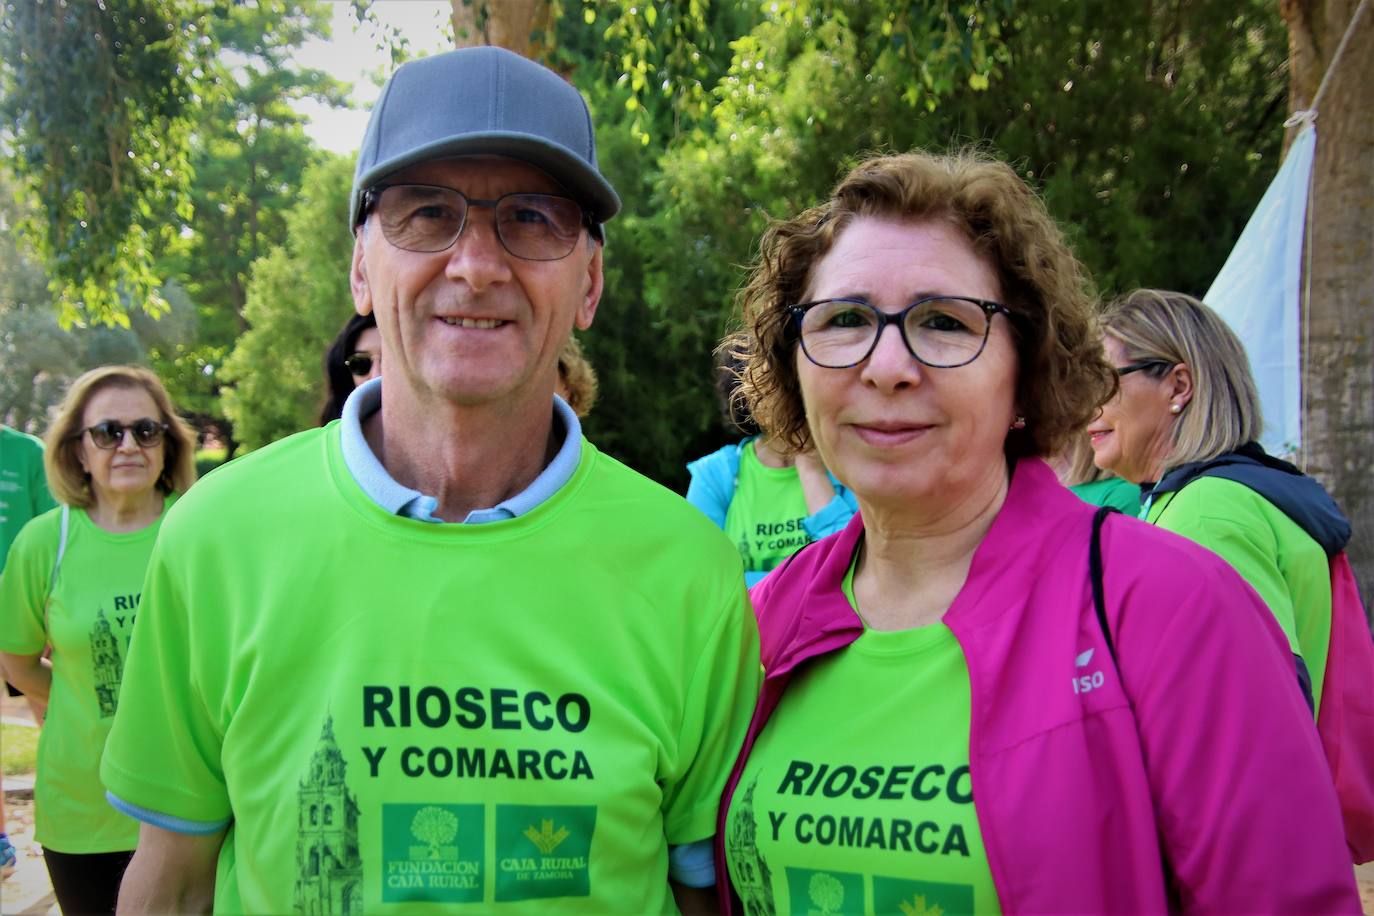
x=765 y=518
x=23 y=486
x=1120 y=494
x=89 y=619
x=857 y=796
x=396 y=713
x=1288 y=569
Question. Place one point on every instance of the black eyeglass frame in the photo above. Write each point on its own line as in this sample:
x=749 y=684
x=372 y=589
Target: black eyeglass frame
x=989 y=308
x=120 y=429
x=371 y=195
x=351 y=358
x=1123 y=371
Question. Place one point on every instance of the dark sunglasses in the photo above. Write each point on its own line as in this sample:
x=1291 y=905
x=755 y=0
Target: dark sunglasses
x=109 y=433
x=1150 y=364
x=358 y=364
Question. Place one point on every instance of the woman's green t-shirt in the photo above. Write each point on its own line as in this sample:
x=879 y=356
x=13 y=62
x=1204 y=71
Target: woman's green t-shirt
x=857 y=797
x=88 y=621
x=766 y=518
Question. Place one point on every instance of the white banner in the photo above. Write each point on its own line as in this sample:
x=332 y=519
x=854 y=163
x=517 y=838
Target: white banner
x=1259 y=289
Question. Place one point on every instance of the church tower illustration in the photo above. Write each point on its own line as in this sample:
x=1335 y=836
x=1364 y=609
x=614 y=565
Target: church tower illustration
x=329 y=868
x=106 y=663
x=755 y=881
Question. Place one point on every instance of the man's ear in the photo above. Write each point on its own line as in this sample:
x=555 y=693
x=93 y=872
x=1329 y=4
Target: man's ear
x=593 y=284
x=1180 y=381
x=357 y=276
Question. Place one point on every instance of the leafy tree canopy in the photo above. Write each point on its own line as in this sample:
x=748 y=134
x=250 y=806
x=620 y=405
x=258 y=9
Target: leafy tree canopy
x=100 y=99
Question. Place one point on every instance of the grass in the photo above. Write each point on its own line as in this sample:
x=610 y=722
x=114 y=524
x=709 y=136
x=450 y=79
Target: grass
x=18 y=748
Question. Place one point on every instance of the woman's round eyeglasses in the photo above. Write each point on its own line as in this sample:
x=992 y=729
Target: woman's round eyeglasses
x=942 y=332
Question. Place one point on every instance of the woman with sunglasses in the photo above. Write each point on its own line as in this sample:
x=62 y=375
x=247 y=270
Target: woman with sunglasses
x=354 y=357
x=1185 y=425
x=117 y=455
x=949 y=719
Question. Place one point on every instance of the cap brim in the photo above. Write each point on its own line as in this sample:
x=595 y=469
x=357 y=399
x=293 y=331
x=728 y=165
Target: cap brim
x=583 y=183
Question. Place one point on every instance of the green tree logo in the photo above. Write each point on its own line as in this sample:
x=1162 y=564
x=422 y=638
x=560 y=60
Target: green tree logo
x=434 y=827
x=827 y=893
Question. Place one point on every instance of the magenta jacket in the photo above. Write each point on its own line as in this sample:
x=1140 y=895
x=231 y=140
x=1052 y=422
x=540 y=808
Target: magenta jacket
x=1192 y=779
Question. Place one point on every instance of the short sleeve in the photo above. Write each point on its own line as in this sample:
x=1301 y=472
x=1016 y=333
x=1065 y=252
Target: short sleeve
x=163 y=752
x=24 y=588
x=719 y=704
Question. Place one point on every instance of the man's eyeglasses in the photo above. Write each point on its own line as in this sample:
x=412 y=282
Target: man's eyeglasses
x=939 y=331
x=1146 y=364
x=358 y=364
x=419 y=217
x=147 y=432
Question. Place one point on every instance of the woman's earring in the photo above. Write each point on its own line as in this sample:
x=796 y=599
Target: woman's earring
x=1175 y=408
x=1018 y=423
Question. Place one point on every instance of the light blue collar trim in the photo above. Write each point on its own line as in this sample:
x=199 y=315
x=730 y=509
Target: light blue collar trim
x=398 y=499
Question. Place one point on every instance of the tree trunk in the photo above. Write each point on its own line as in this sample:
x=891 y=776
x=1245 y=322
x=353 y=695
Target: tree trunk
x=522 y=26
x=1338 y=360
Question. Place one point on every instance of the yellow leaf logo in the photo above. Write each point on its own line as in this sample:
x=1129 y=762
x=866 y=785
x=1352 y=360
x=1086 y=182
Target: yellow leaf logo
x=546 y=838
x=917 y=907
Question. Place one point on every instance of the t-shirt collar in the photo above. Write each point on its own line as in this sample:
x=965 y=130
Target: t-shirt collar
x=394 y=497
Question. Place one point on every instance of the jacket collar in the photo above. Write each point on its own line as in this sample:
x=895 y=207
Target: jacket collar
x=808 y=589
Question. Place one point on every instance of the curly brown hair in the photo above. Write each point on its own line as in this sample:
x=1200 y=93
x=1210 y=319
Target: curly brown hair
x=1064 y=375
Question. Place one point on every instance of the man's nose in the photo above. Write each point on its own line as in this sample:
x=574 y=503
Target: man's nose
x=478 y=257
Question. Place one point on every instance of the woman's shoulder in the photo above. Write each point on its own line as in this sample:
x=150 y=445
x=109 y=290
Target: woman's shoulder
x=721 y=463
x=40 y=532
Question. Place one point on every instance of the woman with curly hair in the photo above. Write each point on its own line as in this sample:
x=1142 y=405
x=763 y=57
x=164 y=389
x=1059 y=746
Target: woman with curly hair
x=983 y=694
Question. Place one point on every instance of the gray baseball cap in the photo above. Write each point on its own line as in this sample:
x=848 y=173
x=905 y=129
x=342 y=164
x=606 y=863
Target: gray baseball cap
x=483 y=101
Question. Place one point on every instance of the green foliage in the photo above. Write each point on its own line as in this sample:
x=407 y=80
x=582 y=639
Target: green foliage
x=787 y=101
x=249 y=154
x=298 y=298
x=18 y=749
x=38 y=357
x=1150 y=130
x=100 y=99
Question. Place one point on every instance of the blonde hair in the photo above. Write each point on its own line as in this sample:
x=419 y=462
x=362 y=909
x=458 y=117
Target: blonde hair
x=577 y=378
x=1063 y=377
x=1078 y=464
x=1224 y=412
x=68 y=481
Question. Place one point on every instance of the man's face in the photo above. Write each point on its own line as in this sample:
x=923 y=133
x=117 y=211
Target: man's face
x=473 y=324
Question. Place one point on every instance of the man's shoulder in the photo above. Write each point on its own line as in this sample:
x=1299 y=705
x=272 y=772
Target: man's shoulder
x=640 y=503
x=21 y=442
x=281 y=473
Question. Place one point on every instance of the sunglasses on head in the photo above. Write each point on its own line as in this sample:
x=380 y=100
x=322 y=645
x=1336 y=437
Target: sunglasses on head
x=109 y=433
x=358 y=363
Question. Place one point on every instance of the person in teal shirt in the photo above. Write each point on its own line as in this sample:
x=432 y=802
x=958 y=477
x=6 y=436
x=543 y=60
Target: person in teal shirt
x=769 y=501
x=23 y=488
x=23 y=495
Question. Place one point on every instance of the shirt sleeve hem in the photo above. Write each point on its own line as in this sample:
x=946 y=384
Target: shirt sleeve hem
x=165 y=821
x=693 y=864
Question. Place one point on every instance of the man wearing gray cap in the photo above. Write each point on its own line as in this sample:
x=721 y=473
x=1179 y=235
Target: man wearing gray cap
x=443 y=651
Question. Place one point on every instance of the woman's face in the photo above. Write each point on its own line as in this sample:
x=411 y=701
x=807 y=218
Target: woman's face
x=369 y=344
x=893 y=430
x=1133 y=434
x=127 y=469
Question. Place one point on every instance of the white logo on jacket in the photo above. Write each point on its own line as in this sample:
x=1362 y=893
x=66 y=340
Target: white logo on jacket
x=1088 y=681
